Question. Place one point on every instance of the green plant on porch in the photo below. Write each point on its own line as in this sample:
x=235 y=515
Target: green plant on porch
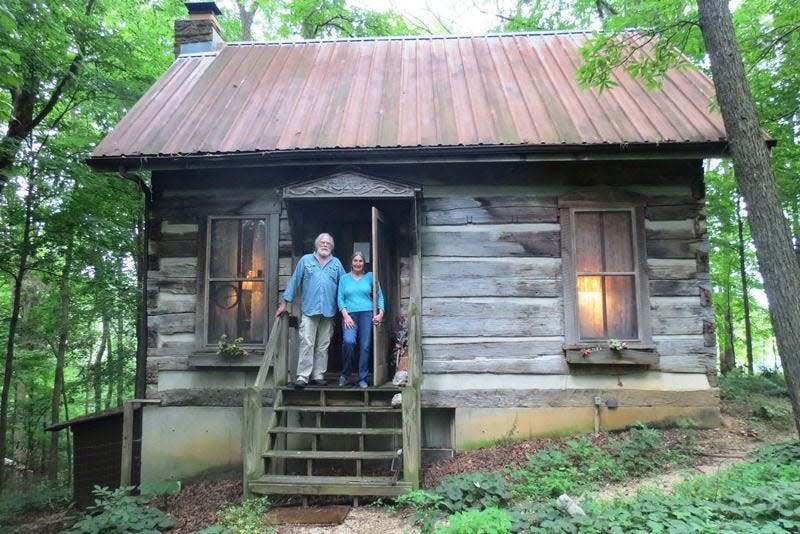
x=231 y=350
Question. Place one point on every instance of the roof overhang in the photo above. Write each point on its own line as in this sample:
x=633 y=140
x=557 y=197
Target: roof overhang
x=415 y=155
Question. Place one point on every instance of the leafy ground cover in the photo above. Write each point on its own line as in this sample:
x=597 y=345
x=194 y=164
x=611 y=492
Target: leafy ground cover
x=640 y=480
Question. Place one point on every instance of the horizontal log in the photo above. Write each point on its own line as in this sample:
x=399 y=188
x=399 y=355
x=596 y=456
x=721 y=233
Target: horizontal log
x=675 y=248
x=179 y=231
x=492 y=240
x=671 y=269
x=555 y=398
x=488 y=210
x=674 y=288
x=483 y=348
x=174 y=248
x=677 y=211
x=681 y=229
x=163 y=306
x=182 y=286
x=173 y=269
x=173 y=323
x=512 y=277
x=492 y=317
x=211 y=359
x=221 y=397
x=544 y=365
x=167 y=363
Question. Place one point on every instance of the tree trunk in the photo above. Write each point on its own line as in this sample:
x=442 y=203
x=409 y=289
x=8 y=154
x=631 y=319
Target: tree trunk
x=19 y=276
x=119 y=369
x=756 y=181
x=728 y=362
x=61 y=350
x=97 y=367
x=748 y=329
x=246 y=16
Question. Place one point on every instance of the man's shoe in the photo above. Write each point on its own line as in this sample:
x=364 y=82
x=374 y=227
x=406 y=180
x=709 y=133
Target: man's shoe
x=300 y=383
x=363 y=384
x=320 y=382
x=342 y=381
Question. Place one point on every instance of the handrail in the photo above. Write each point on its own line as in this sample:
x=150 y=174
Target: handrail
x=270 y=351
x=414 y=347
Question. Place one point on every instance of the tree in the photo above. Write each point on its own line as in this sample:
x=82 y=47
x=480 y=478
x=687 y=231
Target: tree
x=773 y=240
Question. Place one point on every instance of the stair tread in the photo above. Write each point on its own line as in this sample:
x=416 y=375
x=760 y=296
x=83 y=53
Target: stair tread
x=336 y=431
x=326 y=479
x=321 y=485
x=333 y=388
x=332 y=455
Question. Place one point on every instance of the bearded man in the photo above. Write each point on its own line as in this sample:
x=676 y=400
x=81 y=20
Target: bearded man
x=318 y=274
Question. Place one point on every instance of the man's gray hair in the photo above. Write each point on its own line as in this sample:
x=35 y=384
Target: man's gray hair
x=316 y=241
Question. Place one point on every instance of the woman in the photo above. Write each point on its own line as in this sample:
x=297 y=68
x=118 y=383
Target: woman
x=355 y=304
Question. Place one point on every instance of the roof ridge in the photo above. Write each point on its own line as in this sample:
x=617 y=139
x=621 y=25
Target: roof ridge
x=410 y=37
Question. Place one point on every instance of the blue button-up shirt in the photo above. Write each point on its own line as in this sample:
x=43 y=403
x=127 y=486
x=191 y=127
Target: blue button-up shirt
x=319 y=285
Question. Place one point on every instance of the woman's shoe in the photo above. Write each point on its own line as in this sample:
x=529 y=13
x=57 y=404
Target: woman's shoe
x=362 y=384
x=342 y=381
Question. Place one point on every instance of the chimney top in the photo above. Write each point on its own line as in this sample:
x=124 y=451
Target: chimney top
x=201 y=32
x=196 y=7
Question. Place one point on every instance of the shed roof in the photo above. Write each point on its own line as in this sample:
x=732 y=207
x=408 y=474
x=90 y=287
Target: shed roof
x=511 y=91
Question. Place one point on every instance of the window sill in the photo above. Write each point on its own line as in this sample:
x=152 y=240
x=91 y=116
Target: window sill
x=606 y=356
x=209 y=358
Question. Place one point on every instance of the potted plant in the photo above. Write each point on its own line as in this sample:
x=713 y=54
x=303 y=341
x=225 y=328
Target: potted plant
x=230 y=350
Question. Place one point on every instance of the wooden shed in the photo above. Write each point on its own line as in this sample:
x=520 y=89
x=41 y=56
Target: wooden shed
x=97 y=452
x=546 y=243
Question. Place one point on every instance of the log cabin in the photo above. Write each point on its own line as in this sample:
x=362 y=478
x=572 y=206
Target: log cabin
x=545 y=244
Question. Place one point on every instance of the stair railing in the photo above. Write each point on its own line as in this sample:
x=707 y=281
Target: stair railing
x=412 y=452
x=253 y=431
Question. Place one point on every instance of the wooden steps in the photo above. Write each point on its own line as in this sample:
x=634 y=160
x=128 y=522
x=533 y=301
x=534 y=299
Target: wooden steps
x=330 y=440
x=328 y=485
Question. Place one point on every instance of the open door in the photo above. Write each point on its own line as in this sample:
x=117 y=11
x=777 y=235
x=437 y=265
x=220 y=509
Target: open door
x=381 y=269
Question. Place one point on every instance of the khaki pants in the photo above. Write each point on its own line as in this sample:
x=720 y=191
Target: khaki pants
x=315 y=337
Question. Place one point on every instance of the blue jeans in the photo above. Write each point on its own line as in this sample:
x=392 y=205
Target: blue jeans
x=360 y=334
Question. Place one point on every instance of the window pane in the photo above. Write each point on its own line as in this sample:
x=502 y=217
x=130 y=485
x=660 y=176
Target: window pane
x=618 y=241
x=224 y=243
x=223 y=302
x=588 y=241
x=621 y=307
x=590 y=307
x=254 y=237
x=237 y=310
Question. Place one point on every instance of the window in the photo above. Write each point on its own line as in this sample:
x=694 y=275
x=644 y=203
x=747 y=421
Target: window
x=236 y=282
x=604 y=278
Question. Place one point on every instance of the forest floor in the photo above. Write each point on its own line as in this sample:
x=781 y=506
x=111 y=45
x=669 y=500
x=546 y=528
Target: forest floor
x=716 y=449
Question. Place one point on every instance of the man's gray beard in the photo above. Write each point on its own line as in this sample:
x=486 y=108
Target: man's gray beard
x=323 y=253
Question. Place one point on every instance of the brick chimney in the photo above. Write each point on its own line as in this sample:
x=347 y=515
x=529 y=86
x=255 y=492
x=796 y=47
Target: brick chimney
x=201 y=32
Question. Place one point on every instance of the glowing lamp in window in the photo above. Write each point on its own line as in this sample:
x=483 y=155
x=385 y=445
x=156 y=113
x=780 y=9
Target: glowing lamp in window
x=590 y=306
x=248 y=284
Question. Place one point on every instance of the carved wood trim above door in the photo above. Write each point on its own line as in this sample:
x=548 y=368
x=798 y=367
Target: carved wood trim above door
x=349 y=185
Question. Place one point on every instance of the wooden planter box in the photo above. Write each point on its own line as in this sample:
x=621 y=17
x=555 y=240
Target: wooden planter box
x=606 y=356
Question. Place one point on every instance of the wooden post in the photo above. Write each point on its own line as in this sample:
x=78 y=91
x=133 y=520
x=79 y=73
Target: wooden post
x=127 y=444
x=252 y=438
x=412 y=455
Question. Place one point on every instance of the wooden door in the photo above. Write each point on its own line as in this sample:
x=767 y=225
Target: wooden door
x=381 y=269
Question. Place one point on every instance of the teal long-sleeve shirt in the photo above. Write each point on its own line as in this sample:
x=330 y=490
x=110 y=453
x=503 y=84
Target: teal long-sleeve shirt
x=356 y=295
x=319 y=285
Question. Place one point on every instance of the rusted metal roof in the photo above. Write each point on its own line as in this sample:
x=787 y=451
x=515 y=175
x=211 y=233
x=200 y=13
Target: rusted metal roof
x=513 y=90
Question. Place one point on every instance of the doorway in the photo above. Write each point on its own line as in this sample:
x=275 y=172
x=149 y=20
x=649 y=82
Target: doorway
x=379 y=228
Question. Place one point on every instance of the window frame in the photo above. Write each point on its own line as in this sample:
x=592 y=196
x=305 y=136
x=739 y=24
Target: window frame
x=602 y=201
x=270 y=280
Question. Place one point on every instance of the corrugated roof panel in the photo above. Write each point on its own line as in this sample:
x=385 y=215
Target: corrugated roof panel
x=491 y=90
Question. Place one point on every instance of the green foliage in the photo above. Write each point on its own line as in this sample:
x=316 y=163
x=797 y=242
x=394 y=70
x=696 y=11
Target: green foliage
x=231 y=350
x=116 y=511
x=741 y=387
x=474 y=490
x=580 y=465
x=38 y=496
x=491 y=520
x=244 y=518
